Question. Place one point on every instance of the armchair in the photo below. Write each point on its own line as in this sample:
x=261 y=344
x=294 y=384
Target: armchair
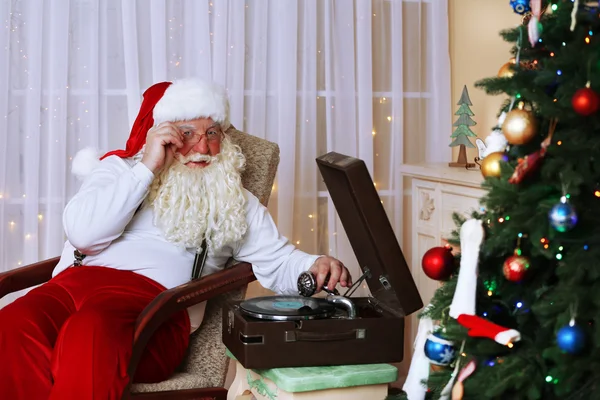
x=202 y=373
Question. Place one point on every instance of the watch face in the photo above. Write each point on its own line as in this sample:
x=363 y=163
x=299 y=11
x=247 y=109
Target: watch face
x=284 y=308
x=307 y=285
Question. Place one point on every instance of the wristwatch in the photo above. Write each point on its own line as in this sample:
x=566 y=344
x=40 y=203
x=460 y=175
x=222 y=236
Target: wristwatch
x=307 y=285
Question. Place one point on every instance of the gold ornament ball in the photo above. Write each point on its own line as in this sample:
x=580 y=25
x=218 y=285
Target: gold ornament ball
x=506 y=70
x=519 y=127
x=490 y=166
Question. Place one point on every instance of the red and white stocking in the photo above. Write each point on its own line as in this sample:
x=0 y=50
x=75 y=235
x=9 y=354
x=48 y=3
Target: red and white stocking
x=480 y=327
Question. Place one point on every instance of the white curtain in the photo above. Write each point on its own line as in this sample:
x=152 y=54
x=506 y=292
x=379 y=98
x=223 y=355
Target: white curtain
x=367 y=78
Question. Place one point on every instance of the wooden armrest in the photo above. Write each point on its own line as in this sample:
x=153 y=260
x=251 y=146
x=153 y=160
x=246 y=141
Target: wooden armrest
x=27 y=276
x=181 y=297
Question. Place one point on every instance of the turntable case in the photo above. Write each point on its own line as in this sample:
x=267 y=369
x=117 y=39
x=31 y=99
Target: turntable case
x=377 y=335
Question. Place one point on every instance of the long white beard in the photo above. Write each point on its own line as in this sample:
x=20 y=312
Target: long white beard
x=191 y=204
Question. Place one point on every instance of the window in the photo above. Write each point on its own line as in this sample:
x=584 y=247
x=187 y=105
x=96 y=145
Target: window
x=367 y=78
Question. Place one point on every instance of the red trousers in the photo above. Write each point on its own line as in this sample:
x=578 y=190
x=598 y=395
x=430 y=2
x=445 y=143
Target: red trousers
x=71 y=338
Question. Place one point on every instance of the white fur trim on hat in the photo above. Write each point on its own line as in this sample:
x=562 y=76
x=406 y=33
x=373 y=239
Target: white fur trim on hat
x=189 y=99
x=84 y=162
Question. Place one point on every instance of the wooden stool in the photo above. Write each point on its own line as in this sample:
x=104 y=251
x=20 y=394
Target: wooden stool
x=347 y=382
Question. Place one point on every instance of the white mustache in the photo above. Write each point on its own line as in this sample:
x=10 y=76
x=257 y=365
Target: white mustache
x=196 y=157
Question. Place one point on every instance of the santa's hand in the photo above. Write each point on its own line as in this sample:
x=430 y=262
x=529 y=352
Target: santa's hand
x=337 y=272
x=161 y=143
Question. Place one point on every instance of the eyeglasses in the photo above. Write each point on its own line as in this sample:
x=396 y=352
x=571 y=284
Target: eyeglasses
x=191 y=138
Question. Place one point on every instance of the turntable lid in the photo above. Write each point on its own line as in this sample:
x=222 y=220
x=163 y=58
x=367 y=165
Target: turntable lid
x=370 y=232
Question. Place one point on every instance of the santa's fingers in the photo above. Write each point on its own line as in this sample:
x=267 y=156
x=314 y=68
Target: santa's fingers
x=171 y=149
x=166 y=135
x=164 y=127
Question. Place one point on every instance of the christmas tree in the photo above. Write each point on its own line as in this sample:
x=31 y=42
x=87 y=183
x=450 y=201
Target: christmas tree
x=462 y=132
x=517 y=319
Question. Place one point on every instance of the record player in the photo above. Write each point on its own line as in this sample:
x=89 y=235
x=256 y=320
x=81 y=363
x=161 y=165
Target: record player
x=298 y=331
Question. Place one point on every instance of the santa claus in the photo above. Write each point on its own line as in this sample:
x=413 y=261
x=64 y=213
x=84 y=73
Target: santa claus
x=133 y=230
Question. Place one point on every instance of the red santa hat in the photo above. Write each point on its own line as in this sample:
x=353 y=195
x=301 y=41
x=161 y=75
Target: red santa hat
x=182 y=100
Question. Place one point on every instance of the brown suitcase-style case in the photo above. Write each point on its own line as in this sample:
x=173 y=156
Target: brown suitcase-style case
x=377 y=334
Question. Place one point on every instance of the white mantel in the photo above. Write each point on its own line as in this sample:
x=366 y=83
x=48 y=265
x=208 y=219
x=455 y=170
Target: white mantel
x=443 y=173
x=435 y=192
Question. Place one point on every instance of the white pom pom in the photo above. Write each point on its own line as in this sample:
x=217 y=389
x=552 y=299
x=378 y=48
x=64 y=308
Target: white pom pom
x=84 y=162
x=496 y=141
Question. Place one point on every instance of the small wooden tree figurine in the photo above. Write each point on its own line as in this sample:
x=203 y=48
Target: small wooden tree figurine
x=463 y=132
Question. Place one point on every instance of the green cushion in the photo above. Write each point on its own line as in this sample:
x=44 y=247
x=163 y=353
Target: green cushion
x=306 y=379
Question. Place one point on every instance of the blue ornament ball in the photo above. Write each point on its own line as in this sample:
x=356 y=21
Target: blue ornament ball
x=520 y=6
x=562 y=217
x=439 y=350
x=571 y=339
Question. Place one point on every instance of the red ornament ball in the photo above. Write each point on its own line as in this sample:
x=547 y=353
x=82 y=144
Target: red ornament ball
x=438 y=263
x=515 y=268
x=585 y=101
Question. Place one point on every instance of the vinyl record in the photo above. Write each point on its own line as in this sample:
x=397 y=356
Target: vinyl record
x=284 y=308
